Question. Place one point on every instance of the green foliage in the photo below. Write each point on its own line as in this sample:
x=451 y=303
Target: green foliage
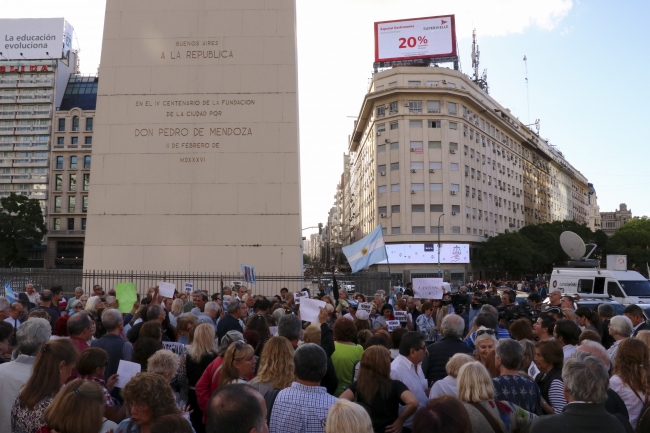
x=633 y=240
x=306 y=259
x=508 y=252
x=21 y=227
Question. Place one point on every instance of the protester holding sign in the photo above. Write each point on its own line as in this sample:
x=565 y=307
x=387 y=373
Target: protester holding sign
x=386 y=315
x=405 y=318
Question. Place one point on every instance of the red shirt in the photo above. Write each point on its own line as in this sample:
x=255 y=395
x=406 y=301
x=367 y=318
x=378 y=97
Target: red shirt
x=79 y=344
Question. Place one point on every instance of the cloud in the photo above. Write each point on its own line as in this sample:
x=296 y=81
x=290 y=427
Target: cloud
x=565 y=31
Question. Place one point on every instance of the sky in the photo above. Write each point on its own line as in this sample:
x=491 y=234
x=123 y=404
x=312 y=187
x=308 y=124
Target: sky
x=587 y=65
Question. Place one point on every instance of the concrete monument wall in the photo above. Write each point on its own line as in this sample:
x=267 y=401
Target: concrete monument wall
x=195 y=163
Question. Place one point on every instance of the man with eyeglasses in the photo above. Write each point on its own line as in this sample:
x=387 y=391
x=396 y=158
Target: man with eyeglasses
x=555 y=300
x=78 y=293
x=407 y=368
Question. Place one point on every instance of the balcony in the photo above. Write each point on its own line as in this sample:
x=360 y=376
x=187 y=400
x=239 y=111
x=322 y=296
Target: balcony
x=33 y=114
x=31 y=145
x=31 y=162
x=6 y=146
x=7 y=115
x=8 y=99
x=6 y=130
x=6 y=83
x=38 y=195
x=31 y=130
x=34 y=99
x=66 y=233
x=35 y=83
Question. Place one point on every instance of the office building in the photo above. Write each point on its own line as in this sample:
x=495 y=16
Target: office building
x=612 y=221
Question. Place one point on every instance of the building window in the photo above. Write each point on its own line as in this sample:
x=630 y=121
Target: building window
x=433 y=123
x=394 y=209
x=455 y=230
x=435 y=187
x=414 y=83
x=417 y=187
x=453 y=125
x=384 y=231
x=392 y=84
x=381 y=189
x=58 y=182
x=57 y=204
x=417 y=230
x=59 y=162
x=433 y=106
x=435 y=145
x=394 y=187
x=382 y=168
x=469 y=231
x=381 y=128
x=432 y=83
x=394 y=166
x=72 y=201
x=452 y=108
x=382 y=209
x=74 y=140
x=435 y=166
x=61 y=125
x=88 y=140
x=75 y=123
x=381 y=111
x=453 y=146
x=415 y=106
x=89 y=124
x=417 y=165
x=73 y=162
x=60 y=141
x=394 y=231
x=435 y=208
x=394 y=146
x=452 y=85
x=83 y=223
x=393 y=125
x=453 y=166
x=57 y=223
x=416 y=146
x=415 y=124
x=84 y=204
x=435 y=230
x=73 y=182
x=417 y=208
x=70 y=223
x=455 y=187
x=392 y=107
x=381 y=148
x=87 y=161
x=455 y=208
x=86 y=181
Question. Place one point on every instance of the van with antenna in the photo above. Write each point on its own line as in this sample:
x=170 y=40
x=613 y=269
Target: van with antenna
x=583 y=278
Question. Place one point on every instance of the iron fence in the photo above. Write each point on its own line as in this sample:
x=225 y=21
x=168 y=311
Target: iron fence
x=209 y=282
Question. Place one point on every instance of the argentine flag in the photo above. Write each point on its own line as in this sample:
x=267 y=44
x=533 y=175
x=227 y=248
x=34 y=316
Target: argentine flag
x=10 y=294
x=367 y=251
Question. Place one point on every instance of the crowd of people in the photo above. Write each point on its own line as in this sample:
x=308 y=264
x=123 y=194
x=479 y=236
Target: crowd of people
x=235 y=362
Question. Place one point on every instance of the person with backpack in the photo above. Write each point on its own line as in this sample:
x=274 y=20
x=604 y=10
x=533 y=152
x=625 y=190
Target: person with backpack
x=631 y=380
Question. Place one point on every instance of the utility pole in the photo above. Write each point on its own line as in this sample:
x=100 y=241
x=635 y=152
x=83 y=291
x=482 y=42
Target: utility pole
x=439 y=270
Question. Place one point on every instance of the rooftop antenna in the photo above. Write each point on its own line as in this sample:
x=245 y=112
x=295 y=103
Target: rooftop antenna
x=476 y=54
x=527 y=94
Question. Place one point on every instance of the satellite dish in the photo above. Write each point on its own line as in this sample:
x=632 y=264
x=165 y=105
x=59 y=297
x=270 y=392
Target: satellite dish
x=573 y=245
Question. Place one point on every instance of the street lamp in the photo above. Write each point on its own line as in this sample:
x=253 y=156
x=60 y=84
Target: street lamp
x=439 y=272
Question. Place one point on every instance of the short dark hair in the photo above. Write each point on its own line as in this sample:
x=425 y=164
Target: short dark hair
x=153 y=311
x=386 y=307
x=396 y=336
x=344 y=329
x=411 y=340
x=310 y=361
x=445 y=413
x=91 y=359
x=634 y=310
x=262 y=304
x=568 y=330
x=56 y=290
x=534 y=297
x=569 y=297
x=409 y=285
x=6 y=330
x=171 y=423
x=486 y=319
x=234 y=408
x=78 y=323
x=548 y=322
x=284 y=289
x=551 y=351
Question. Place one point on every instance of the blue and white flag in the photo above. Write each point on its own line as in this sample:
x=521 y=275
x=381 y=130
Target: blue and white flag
x=367 y=251
x=10 y=294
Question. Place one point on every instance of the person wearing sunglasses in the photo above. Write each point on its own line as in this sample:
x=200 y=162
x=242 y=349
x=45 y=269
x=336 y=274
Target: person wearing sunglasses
x=238 y=364
x=485 y=342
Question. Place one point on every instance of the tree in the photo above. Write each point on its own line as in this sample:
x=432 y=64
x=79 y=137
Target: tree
x=306 y=259
x=632 y=240
x=21 y=227
x=507 y=252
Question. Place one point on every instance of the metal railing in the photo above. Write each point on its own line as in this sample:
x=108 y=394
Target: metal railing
x=209 y=282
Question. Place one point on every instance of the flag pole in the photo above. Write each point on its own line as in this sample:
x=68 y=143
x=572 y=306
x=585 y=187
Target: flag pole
x=390 y=276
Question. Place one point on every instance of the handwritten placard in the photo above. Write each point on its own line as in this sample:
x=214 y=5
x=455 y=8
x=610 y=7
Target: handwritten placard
x=177 y=348
x=428 y=288
x=392 y=325
x=166 y=289
x=401 y=316
x=126 y=370
x=298 y=296
x=365 y=306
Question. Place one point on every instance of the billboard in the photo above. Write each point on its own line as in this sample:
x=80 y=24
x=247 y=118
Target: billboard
x=35 y=38
x=416 y=38
x=426 y=253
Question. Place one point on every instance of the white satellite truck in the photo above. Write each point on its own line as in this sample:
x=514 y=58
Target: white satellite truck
x=584 y=277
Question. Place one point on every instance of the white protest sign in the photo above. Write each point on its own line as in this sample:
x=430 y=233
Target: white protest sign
x=392 y=325
x=298 y=296
x=365 y=306
x=189 y=287
x=310 y=309
x=533 y=371
x=126 y=370
x=166 y=289
x=401 y=316
x=177 y=348
x=427 y=288
x=273 y=330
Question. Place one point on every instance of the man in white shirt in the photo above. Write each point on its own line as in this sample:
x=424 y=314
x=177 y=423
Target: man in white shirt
x=15 y=312
x=33 y=297
x=407 y=368
x=567 y=333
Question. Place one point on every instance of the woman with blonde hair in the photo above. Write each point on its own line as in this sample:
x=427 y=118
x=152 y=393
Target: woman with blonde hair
x=631 y=376
x=485 y=341
x=312 y=334
x=276 y=366
x=176 y=311
x=644 y=336
x=379 y=394
x=476 y=391
x=238 y=364
x=85 y=400
x=345 y=416
x=449 y=385
x=200 y=354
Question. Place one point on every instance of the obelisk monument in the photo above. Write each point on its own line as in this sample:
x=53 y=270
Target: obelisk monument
x=195 y=163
